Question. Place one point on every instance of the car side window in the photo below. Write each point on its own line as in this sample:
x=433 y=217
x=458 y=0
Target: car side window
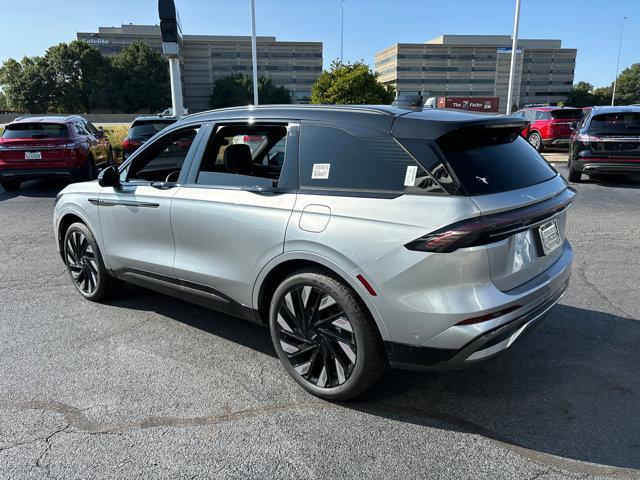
x=540 y=115
x=80 y=130
x=91 y=128
x=530 y=115
x=244 y=155
x=162 y=160
x=333 y=159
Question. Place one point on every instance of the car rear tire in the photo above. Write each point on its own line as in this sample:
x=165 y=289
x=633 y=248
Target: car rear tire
x=324 y=336
x=575 y=176
x=85 y=265
x=89 y=170
x=10 y=185
x=536 y=141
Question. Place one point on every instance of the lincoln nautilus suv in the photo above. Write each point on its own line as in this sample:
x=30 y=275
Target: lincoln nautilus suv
x=363 y=237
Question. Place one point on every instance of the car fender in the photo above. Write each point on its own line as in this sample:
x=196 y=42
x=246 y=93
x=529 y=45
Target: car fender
x=334 y=267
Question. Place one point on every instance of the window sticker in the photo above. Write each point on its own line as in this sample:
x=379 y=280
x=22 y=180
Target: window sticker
x=410 y=176
x=321 y=171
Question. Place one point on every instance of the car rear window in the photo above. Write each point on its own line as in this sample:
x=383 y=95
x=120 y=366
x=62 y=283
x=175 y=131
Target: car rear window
x=566 y=114
x=616 y=123
x=333 y=159
x=35 y=130
x=147 y=129
x=492 y=160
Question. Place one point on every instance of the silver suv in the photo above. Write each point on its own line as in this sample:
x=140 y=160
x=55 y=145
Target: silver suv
x=362 y=236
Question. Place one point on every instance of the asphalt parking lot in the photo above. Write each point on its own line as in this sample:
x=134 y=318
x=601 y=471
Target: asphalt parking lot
x=148 y=386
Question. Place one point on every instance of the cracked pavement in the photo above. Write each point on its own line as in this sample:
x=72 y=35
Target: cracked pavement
x=148 y=386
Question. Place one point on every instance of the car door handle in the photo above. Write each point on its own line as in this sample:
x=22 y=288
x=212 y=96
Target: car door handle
x=164 y=185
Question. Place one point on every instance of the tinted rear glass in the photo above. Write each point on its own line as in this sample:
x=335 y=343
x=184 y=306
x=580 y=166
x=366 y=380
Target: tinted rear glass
x=333 y=159
x=36 y=130
x=616 y=123
x=147 y=129
x=493 y=160
x=567 y=114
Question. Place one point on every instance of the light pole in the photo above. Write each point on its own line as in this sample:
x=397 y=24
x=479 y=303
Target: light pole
x=341 y=28
x=254 y=55
x=615 y=80
x=514 y=48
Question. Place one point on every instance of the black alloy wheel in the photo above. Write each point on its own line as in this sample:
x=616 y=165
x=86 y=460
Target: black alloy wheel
x=316 y=336
x=325 y=336
x=83 y=259
x=82 y=263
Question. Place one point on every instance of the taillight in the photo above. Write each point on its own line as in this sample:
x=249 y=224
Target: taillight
x=130 y=145
x=487 y=229
x=587 y=138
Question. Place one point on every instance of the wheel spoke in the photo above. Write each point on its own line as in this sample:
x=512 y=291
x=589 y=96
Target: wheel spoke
x=286 y=311
x=316 y=336
x=336 y=337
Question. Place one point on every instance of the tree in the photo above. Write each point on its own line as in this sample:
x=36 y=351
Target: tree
x=237 y=89
x=29 y=85
x=351 y=83
x=602 y=96
x=82 y=76
x=581 y=95
x=628 y=86
x=142 y=79
x=4 y=103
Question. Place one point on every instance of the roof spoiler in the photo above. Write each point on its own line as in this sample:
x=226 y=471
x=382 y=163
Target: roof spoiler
x=435 y=123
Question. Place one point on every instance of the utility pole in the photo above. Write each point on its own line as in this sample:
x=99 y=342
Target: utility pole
x=514 y=48
x=170 y=31
x=254 y=54
x=341 y=29
x=615 y=80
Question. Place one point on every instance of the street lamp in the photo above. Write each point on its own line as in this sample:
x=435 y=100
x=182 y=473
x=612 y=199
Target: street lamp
x=514 y=48
x=615 y=80
x=254 y=54
x=341 y=28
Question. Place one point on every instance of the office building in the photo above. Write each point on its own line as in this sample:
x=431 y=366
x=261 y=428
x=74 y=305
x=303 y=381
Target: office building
x=478 y=65
x=205 y=58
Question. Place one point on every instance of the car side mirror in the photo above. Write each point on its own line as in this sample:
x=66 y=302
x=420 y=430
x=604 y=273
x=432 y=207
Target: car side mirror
x=109 y=177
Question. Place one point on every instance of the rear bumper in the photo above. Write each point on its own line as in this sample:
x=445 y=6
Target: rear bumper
x=606 y=165
x=482 y=341
x=24 y=174
x=556 y=142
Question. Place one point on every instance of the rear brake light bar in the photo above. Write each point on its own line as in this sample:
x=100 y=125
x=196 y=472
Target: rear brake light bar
x=490 y=228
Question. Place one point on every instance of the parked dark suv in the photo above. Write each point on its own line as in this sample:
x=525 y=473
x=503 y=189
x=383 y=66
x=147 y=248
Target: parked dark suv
x=51 y=147
x=142 y=129
x=607 y=141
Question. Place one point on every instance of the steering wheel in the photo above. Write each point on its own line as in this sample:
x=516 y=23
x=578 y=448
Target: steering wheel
x=172 y=177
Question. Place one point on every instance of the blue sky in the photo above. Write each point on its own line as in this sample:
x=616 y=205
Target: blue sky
x=591 y=26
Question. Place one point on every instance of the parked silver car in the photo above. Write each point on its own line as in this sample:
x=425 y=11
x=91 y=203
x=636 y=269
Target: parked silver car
x=362 y=236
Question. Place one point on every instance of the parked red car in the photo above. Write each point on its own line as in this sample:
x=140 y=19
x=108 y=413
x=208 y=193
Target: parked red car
x=51 y=147
x=550 y=126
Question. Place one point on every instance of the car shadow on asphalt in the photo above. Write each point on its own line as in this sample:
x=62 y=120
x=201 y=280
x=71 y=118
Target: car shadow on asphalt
x=620 y=181
x=570 y=388
x=34 y=189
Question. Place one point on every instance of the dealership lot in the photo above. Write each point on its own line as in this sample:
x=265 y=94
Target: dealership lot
x=150 y=386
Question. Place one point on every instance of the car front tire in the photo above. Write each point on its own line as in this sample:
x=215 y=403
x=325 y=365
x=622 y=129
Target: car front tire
x=85 y=265
x=324 y=336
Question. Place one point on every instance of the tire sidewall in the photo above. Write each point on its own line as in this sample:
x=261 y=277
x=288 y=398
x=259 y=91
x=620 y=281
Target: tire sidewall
x=539 y=146
x=355 y=315
x=99 y=292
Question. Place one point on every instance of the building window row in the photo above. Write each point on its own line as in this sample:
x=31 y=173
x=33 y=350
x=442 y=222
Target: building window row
x=446 y=69
x=263 y=54
x=446 y=56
